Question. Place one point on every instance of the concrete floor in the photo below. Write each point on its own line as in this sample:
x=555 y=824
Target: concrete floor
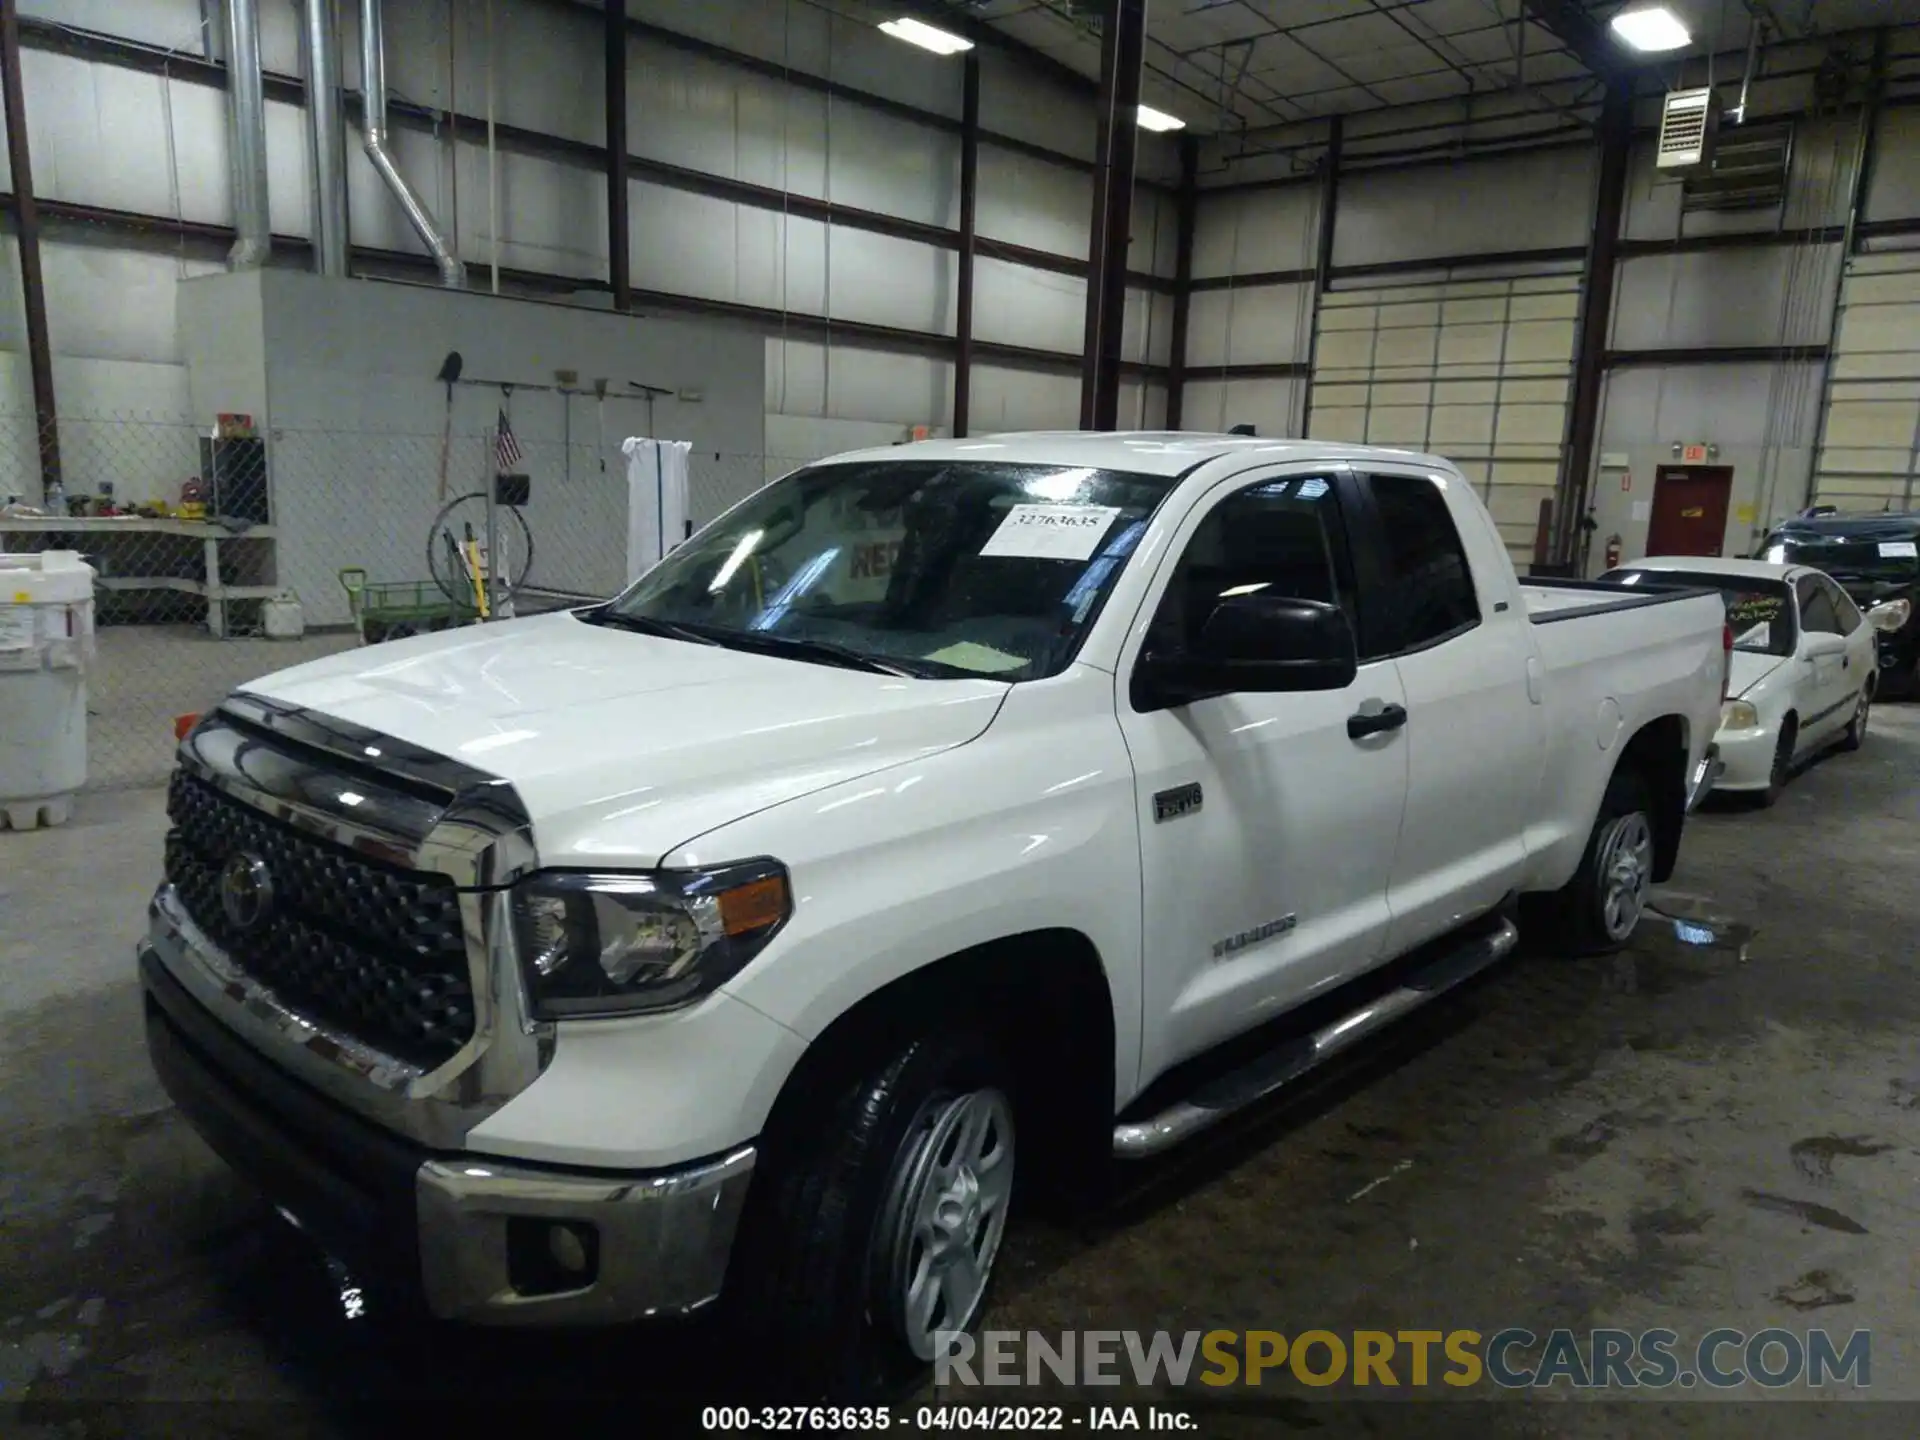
x=1690 y=1136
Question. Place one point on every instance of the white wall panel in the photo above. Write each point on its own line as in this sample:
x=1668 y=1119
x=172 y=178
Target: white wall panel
x=848 y=48
x=1767 y=295
x=1760 y=416
x=805 y=377
x=1519 y=202
x=1006 y=400
x=1143 y=405
x=1249 y=231
x=1029 y=202
x=1020 y=306
x=1149 y=327
x=1258 y=325
x=1893 y=186
x=1870 y=450
x=1016 y=102
x=1272 y=407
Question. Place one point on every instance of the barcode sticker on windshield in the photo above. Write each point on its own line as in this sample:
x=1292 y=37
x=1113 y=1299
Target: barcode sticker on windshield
x=1051 y=532
x=1897 y=550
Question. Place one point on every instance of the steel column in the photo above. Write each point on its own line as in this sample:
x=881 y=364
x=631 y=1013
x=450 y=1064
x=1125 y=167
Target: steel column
x=963 y=279
x=1186 y=216
x=26 y=214
x=1323 y=256
x=619 y=241
x=1122 y=54
x=1596 y=315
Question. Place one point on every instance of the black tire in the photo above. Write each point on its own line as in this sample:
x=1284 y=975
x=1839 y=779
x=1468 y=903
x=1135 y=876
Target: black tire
x=1856 y=732
x=1579 y=913
x=1782 y=770
x=809 y=1287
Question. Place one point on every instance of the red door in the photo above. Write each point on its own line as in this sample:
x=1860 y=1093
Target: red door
x=1689 y=510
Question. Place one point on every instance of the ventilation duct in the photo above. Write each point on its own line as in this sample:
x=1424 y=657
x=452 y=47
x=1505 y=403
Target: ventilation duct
x=247 y=131
x=326 y=138
x=373 y=84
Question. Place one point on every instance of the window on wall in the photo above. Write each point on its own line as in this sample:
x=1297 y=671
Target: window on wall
x=1429 y=587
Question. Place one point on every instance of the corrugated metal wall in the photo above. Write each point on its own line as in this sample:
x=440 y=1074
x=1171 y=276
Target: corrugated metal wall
x=1870 y=450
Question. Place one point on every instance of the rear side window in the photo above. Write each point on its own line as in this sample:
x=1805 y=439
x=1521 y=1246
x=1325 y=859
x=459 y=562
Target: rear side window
x=1428 y=589
x=1817 y=615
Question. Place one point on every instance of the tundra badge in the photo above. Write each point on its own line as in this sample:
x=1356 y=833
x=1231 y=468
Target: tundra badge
x=1172 y=804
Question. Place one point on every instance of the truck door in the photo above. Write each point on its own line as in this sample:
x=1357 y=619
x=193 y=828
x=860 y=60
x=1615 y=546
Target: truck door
x=1473 y=733
x=1267 y=830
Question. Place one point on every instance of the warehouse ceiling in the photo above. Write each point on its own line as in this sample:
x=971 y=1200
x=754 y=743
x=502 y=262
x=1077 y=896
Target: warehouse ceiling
x=1236 y=64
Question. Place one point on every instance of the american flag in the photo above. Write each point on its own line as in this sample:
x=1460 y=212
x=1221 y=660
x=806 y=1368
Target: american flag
x=506 y=449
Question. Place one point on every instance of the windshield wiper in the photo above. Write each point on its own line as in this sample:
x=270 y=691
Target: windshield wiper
x=647 y=625
x=825 y=650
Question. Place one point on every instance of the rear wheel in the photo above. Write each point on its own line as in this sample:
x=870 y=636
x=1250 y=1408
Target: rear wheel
x=1857 y=727
x=1598 y=909
x=880 y=1218
x=1782 y=769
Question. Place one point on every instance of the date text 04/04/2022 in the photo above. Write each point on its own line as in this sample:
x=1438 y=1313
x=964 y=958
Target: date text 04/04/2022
x=982 y=1419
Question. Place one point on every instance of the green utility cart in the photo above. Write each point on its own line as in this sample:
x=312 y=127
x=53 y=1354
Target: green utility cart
x=389 y=610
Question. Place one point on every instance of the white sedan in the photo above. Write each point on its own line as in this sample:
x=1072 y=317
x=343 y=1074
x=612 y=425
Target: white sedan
x=1803 y=671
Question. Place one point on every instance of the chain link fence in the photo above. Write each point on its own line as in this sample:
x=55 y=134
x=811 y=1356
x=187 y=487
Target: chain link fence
x=199 y=544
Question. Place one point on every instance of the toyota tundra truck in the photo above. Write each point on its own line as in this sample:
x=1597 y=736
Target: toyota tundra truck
x=941 y=826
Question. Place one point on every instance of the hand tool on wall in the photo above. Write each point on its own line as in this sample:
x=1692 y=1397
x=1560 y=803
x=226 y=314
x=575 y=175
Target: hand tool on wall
x=450 y=369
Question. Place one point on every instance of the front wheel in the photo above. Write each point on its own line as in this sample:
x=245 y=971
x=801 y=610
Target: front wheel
x=1599 y=908
x=1781 y=770
x=881 y=1219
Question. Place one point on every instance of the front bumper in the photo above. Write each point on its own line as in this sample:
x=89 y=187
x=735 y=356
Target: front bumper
x=1746 y=758
x=469 y=1237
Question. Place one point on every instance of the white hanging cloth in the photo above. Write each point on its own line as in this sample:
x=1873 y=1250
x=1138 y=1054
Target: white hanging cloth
x=656 y=500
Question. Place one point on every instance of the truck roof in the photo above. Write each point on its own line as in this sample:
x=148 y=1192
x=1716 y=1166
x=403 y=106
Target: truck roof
x=1867 y=525
x=1141 y=452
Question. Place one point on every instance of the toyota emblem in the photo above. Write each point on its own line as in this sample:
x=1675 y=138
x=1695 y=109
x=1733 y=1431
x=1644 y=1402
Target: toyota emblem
x=246 y=890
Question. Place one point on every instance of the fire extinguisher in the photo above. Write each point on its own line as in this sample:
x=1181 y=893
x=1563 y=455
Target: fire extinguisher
x=1613 y=552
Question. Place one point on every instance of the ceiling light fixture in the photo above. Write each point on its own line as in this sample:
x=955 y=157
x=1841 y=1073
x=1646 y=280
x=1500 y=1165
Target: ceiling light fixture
x=1152 y=119
x=1651 y=30
x=927 y=37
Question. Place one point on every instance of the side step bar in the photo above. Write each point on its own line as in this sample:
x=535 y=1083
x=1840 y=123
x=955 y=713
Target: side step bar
x=1219 y=1098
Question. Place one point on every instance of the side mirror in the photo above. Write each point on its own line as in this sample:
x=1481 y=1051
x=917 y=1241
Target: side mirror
x=1817 y=643
x=1891 y=616
x=1259 y=644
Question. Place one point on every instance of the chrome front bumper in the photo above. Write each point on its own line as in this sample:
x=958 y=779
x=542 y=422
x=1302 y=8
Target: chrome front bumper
x=475 y=1238
x=1705 y=776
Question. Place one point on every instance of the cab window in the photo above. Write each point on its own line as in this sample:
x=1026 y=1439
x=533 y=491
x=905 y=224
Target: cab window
x=1428 y=587
x=1281 y=537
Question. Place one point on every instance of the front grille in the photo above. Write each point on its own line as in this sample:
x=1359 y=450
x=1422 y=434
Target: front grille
x=375 y=951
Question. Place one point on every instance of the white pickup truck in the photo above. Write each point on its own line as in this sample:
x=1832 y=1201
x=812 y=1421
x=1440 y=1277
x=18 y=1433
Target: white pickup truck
x=911 y=840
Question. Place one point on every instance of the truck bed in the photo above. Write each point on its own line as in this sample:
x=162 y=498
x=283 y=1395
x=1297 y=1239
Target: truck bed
x=1549 y=600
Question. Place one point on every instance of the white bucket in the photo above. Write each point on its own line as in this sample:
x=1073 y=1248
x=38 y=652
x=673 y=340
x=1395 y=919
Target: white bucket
x=282 y=618
x=46 y=645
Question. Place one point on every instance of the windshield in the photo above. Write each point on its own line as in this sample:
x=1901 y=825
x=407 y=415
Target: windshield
x=937 y=568
x=1848 y=560
x=1759 y=612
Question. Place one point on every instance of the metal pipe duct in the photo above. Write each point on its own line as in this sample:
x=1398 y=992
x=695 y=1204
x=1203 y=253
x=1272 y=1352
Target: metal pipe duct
x=373 y=84
x=247 y=126
x=326 y=139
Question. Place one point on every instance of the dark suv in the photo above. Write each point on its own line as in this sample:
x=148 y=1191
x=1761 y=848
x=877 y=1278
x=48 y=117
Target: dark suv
x=1876 y=557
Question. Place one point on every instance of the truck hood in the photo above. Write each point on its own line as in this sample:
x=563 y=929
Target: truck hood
x=1749 y=669
x=623 y=746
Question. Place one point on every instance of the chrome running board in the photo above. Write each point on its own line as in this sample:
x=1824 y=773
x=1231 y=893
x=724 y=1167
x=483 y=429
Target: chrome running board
x=1215 y=1100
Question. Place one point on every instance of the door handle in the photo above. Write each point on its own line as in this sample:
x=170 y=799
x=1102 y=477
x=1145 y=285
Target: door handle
x=1363 y=723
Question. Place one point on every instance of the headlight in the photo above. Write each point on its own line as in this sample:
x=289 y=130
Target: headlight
x=620 y=944
x=1738 y=715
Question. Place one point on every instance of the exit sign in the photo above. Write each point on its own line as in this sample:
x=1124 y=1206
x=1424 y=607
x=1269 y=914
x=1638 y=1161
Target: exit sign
x=1693 y=454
